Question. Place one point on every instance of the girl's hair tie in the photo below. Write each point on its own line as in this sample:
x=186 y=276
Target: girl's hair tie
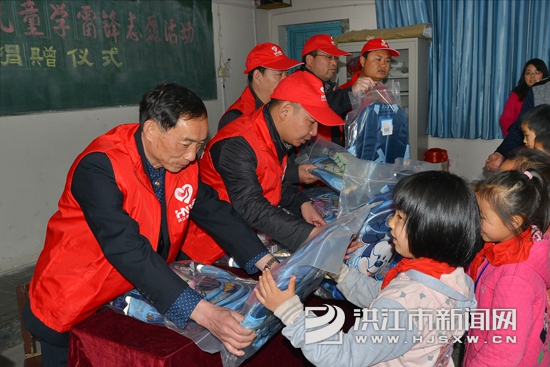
x=528 y=174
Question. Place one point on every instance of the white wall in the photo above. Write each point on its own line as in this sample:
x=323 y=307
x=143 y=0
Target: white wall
x=466 y=156
x=37 y=150
x=238 y=36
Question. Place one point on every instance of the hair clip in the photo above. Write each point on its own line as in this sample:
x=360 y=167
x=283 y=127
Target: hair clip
x=528 y=174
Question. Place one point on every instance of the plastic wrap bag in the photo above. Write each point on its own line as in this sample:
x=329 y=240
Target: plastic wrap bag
x=313 y=259
x=274 y=247
x=377 y=127
x=366 y=179
x=331 y=161
x=325 y=201
x=377 y=254
x=370 y=184
x=217 y=286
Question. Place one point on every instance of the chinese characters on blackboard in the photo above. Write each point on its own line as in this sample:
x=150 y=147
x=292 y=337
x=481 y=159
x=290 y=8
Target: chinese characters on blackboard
x=75 y=54
x=86 y=21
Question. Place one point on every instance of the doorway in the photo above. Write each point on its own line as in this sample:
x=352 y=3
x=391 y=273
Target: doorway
x=297 y=35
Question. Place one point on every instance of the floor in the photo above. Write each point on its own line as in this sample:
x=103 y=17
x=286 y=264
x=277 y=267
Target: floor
x=12 y=357
x=11 y=346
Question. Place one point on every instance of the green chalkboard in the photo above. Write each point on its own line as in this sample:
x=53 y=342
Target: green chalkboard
x=74 y=54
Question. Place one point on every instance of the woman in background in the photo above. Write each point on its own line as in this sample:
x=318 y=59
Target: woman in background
x=533 y=71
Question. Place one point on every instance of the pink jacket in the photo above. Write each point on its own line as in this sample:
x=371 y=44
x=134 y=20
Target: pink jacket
x=510 y=113
x=514 y=286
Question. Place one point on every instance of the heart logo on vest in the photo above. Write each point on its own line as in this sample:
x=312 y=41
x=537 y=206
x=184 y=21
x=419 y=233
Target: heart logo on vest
x=184 y=193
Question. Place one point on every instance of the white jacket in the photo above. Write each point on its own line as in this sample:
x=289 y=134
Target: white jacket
x=398 y=342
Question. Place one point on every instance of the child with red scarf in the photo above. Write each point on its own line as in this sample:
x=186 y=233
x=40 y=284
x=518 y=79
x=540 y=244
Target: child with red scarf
x=420 y=308
x=512 y=272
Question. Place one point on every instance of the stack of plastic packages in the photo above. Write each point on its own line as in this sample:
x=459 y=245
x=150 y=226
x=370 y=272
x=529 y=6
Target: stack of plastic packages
x=216 y=285
x=310 y=263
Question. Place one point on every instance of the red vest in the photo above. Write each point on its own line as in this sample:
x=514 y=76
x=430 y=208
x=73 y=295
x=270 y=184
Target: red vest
x=73 y=279
x=351 y=82
x=246 y=102
x=327 y=131
x=324 y=132
x=199 y=245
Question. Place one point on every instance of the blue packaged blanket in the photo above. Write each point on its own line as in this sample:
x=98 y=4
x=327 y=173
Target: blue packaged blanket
x=377 y=128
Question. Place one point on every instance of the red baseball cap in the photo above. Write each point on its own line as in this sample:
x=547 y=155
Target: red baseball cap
x=323 y=42
x=378 y=44
x=269 y=55
x=306 y=89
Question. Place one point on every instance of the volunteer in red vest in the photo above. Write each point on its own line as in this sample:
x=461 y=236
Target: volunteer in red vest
x=266 y=66
x=375 y=60
x=320 y=57
x=123 y=216
x=245 y=163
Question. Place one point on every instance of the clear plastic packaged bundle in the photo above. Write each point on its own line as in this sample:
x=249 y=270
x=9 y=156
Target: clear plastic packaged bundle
x=365 y=179
x=310 y=263
x=368 y=184
x=216 y=285
x=331 y=161
x=377 y=127
x=376 y=254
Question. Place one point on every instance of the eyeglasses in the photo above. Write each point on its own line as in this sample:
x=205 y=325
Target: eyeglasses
x=529 y=73
x=330 y=57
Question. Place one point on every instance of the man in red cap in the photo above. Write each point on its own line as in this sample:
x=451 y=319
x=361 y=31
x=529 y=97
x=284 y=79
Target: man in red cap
x=245 y=163
x=375 y=62
x=320 y=57
x=266 y=66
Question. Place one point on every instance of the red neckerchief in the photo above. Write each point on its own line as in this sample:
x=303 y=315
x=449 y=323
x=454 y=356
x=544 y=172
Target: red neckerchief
x=424 y=265
x=512 y=251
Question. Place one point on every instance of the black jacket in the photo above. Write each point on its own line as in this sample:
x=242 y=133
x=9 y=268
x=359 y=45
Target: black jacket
x=514 y=139
x=236 y=162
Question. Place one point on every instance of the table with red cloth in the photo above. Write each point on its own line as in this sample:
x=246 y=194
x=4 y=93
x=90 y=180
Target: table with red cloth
x=110 y=339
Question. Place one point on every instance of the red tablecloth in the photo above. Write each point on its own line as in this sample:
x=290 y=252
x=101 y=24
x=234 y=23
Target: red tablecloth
x=109 y=339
